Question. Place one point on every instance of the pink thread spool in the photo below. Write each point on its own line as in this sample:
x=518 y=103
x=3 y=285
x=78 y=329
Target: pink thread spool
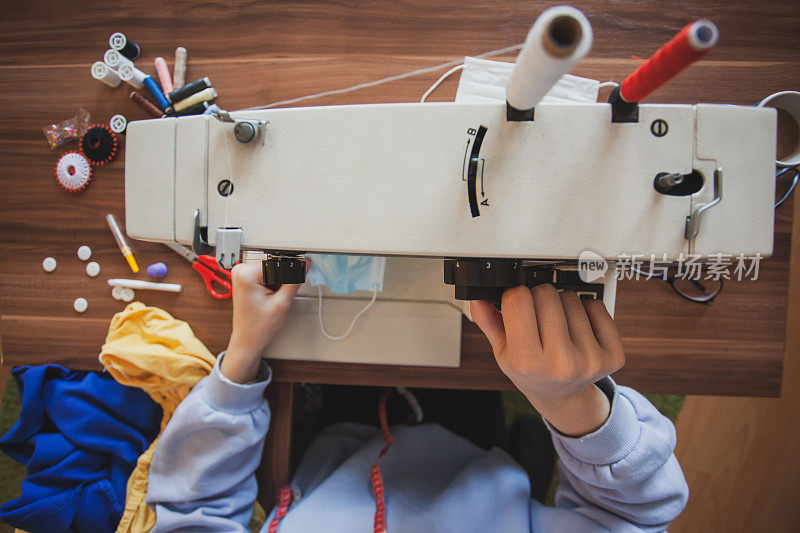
x=163 y=75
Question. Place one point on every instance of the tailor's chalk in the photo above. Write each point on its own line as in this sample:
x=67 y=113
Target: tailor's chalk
x=146 y=285
x=132 y=76
x=122 y=44
x=155 y=90
x=163 y=75
x=146 y=104
x=115 y=60
x=102 y=72
x=179 y=73
x=203 y=96
x=157 y=270
x=189 y=89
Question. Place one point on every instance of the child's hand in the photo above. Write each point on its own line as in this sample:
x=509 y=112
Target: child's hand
x=554 y=347
x=258 y=314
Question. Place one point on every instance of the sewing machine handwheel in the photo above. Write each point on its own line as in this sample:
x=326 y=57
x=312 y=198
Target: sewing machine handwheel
x=280 y=270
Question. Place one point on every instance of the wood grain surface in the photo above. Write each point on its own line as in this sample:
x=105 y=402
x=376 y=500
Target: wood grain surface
x=259 y=52
x=739 y=455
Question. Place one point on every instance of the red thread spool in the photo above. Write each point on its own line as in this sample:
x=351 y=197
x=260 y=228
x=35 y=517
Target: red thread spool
x=691 y=43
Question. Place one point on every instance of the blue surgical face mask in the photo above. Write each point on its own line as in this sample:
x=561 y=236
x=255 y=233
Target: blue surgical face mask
x=343 y=274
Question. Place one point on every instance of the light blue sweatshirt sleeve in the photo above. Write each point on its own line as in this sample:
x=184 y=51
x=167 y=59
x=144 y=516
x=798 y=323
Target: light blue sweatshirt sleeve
x=622 y=477
x=202 y=477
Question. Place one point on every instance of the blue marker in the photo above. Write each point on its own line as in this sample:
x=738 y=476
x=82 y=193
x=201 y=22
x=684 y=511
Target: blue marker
x=155 y=90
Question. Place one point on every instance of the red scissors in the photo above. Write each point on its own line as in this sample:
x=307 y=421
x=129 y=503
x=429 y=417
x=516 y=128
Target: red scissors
x=213 y=274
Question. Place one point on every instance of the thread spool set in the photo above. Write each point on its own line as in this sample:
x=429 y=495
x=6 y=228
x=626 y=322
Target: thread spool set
x=169 y=96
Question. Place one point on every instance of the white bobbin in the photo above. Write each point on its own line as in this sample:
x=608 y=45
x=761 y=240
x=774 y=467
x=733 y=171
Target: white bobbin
x=102 y=72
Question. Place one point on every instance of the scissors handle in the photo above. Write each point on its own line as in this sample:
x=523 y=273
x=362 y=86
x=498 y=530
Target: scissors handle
x=213 y=274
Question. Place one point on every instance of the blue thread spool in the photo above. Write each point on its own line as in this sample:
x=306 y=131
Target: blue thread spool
x=155 y=90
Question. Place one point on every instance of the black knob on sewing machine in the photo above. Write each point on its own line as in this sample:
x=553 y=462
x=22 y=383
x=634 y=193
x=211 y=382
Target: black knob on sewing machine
x=283 y=269
x=487 y=279
x=482 y=279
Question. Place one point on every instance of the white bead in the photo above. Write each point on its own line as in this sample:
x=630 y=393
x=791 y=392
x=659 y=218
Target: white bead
x=84 y=253
x=49 y=264
x=116 y=292
x=80 y=305
x=92 y=269
x=127 y=294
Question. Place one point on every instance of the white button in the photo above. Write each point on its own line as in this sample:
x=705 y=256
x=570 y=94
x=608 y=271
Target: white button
x=49 y=264
x=84 y=253
x=116 y=292
x=92 y=269
x=80 y=305
x=127 y=294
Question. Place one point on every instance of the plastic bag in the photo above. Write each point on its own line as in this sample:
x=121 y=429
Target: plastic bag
x=67 y=130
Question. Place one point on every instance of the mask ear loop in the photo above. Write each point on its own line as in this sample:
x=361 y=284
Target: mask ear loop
x=355 y=318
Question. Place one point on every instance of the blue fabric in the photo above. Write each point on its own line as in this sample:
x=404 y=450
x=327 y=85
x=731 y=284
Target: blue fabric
x=79 y=435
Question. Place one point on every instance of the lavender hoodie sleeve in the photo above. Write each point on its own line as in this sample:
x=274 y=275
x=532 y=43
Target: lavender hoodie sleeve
x=202 y=477
x=622 y=477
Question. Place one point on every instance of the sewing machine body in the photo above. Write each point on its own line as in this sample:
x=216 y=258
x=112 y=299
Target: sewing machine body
x=393 y=179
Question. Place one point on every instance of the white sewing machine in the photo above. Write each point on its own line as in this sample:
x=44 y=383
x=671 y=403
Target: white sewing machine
x=502 y=192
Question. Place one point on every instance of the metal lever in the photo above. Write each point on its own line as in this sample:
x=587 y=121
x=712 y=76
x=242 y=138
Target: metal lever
x=693 y=220
x=200 y=244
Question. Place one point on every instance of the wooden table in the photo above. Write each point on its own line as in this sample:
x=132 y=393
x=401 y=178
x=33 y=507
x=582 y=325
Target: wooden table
x=256 y=53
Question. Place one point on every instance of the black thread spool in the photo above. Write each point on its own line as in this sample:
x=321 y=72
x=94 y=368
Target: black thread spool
x=121 y=44
x=195 y=109
x=181 y=93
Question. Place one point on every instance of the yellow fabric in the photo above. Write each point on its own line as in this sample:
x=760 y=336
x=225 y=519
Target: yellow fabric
x=149 y=349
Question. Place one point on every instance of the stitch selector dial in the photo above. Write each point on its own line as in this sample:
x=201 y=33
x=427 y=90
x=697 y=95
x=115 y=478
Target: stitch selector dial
x=280 y=269
x=482 y=279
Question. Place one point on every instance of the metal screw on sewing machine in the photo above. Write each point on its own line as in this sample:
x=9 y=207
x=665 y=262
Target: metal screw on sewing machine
x=244 y=132
x=659 y=127
x=225 y=188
